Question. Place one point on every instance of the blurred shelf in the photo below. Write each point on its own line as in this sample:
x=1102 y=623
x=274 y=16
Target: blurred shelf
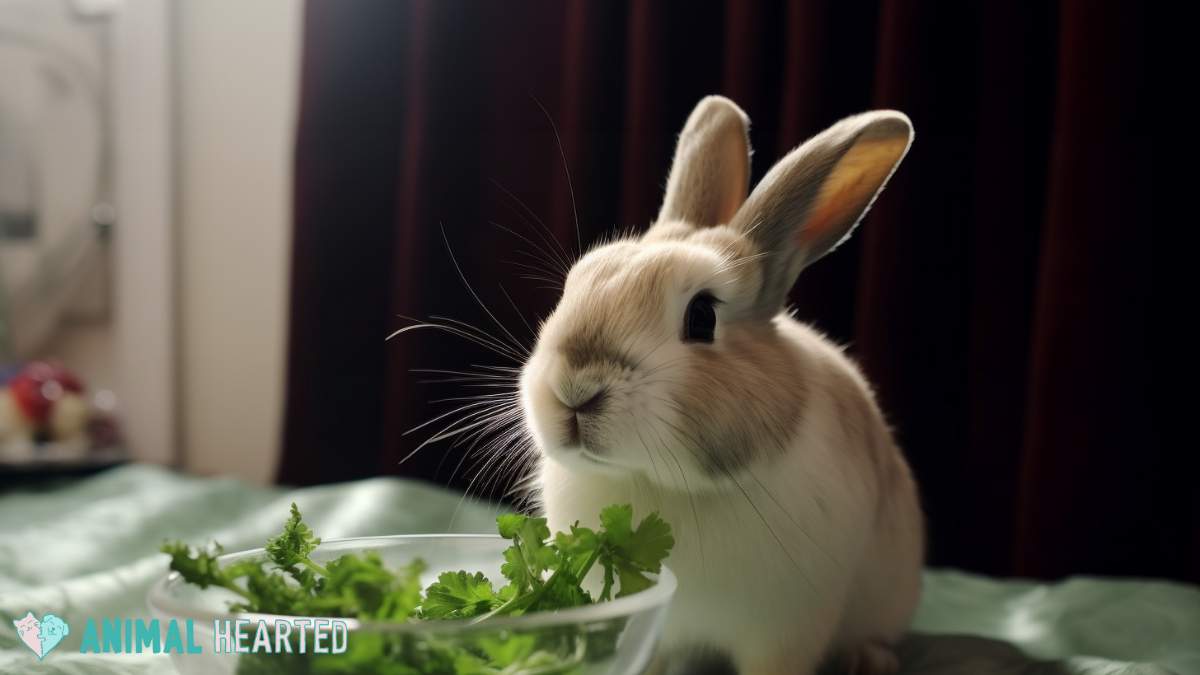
x=49 y=466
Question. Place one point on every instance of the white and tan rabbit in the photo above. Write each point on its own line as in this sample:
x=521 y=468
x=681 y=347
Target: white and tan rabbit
x=671 y=376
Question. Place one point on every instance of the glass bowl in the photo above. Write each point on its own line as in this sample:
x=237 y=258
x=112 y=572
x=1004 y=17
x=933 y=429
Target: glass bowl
x=615 y=637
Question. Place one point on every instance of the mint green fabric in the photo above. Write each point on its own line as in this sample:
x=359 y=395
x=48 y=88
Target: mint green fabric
x=89 y=548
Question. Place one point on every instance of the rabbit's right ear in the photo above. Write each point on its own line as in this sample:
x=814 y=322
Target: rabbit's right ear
x=710 y=175
x=813 y=198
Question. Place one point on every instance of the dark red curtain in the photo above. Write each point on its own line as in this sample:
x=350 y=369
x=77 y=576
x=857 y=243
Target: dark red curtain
x=998 y=295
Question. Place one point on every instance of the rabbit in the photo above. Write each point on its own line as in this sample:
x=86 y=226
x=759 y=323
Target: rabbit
x=671 y=376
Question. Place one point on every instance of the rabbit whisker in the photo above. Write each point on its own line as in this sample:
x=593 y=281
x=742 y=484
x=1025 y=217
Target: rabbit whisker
x=566 y=170
x=459 y=332
x=545 y=233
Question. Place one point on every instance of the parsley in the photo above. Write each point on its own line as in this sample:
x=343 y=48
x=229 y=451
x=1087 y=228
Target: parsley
x=542 y=573
x=291 y=548
x=458 y=595
x=633 y=552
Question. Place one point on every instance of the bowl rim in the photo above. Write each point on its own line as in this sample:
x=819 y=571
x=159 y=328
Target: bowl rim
x=161 y=603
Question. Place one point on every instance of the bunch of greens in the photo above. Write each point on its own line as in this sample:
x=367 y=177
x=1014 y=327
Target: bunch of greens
x=544 y=573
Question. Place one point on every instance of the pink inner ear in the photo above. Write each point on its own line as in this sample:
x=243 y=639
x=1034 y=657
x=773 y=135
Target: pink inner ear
x=832 y=212
x=859 y=174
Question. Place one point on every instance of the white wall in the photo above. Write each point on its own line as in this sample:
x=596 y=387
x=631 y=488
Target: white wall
x=236 y=79
x=144 y=339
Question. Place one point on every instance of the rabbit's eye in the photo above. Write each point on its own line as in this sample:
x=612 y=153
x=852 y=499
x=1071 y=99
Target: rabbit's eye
x=700 y=321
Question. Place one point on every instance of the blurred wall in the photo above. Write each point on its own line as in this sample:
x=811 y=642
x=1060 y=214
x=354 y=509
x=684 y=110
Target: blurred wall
x=237 y=65
x=145 y=333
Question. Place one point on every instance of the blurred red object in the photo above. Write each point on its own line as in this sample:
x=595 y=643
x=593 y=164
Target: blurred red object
x=39 y=385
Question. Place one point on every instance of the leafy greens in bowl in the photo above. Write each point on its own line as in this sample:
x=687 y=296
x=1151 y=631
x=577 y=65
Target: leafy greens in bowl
x=428 y=604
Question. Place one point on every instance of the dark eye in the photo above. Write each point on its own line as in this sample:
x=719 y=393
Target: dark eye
x=701 y=319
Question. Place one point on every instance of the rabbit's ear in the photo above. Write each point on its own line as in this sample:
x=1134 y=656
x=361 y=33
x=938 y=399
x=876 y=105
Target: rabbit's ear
x=711 y=171
x=811 y=200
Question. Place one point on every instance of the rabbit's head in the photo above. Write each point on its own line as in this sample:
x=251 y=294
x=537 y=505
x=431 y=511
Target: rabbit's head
x=664 y=355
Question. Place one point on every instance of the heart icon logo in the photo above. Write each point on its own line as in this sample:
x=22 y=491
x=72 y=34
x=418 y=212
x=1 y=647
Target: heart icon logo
x=41 y=636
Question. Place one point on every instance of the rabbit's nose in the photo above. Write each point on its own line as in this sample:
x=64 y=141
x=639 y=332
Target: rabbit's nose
x=592 y=404
x=584 y=400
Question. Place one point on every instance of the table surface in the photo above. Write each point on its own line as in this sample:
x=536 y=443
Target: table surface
x=89 y=547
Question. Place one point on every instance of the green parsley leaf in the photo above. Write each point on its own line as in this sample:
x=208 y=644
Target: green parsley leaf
x=459 y=595
x=509 y=648
x=196 y=566
x=577 y=550
x=294 y=544
x=528 y=558
x=633 y=552
x=272 y=594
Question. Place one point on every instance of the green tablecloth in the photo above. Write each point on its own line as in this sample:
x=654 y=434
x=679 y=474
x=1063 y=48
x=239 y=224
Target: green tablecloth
x=89 y=548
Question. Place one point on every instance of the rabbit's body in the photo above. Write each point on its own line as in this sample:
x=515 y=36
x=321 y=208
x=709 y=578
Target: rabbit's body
x=670 y=378
x=842 y=504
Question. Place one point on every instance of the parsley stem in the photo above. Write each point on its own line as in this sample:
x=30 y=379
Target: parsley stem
x=525 y=599
x=537 y=594
x=230 y=586
x=528 y=599
x=534 y=579
x=307 y=562
x=587 y=566
x=508 y=604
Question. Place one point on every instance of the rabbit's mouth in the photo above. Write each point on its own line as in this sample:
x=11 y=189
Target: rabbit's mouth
x=574 y=436
x=583 y=444
x=597 y=459
x=583 y=434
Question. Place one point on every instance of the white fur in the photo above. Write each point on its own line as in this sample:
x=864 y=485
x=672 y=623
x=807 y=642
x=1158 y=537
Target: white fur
x=798 y=530
x=840 y=576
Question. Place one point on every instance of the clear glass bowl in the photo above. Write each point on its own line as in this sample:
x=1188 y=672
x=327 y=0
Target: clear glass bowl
x=615 y=637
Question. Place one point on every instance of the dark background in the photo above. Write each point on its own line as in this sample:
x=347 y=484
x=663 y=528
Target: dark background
x=997 y=295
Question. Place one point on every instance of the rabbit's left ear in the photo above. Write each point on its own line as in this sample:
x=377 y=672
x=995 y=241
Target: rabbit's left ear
x=710 y=174
x=811 y=200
